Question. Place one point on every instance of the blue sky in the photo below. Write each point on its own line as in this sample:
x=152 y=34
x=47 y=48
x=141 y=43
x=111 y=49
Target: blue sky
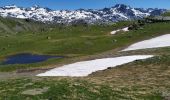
x=87 y=4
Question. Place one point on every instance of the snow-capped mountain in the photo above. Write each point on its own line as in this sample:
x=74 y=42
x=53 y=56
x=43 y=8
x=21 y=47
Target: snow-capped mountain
x=117 y=13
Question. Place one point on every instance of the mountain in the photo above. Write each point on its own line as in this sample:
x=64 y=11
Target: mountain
x=117 y=13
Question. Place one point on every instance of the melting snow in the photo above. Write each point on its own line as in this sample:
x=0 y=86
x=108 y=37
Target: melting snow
x=85 y=68
x=123 y=29
x=161 y=41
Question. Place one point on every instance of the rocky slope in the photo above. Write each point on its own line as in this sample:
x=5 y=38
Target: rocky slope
x=117 y=13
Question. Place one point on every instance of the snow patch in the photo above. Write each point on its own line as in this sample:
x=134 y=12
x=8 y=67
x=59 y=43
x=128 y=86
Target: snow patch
x=161 y=41
x=126 y=29
x=84 y=68
x=123 y=29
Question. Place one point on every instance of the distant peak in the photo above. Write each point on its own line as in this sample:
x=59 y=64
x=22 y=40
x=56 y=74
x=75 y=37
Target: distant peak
x=119 y=12
x=35 y=6
x=121 y=5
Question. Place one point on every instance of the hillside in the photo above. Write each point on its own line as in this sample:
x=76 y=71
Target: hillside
x=166 y=13
x=14 y=26
x=146 y=79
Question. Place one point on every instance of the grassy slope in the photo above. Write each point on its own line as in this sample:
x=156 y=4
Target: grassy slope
x=139 y=80
x=72 y=41
x=166 y=14
x=145 y=80
x=13 y=26
x=57 y=40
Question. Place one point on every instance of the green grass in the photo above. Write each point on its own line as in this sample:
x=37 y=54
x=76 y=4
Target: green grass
x=166 y=14
x=140 y=80
x=72 y=40
x=69 y=89
x=79 y=41
x=55 y=40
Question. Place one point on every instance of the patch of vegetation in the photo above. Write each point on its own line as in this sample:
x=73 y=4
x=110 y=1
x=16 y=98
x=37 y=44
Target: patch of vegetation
x=54 y=40
x=71 y=40
x=150 y=76
x=166 y=13
x=68 y=89
x=139 y=80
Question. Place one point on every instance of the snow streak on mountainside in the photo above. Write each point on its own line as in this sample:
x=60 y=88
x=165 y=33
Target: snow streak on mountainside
x=117 y=13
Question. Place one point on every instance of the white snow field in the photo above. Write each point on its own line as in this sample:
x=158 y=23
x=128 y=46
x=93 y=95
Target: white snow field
x=123 y=29
x=161 y=41
x=84 y=68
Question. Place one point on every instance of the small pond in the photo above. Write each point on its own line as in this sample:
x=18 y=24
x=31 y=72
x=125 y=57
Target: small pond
x=27 y=58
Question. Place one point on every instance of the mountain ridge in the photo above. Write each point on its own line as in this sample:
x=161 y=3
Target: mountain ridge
x=119 y=12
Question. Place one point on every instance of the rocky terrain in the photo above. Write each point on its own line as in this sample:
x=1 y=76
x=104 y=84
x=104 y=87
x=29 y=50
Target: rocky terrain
x=116 y=13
